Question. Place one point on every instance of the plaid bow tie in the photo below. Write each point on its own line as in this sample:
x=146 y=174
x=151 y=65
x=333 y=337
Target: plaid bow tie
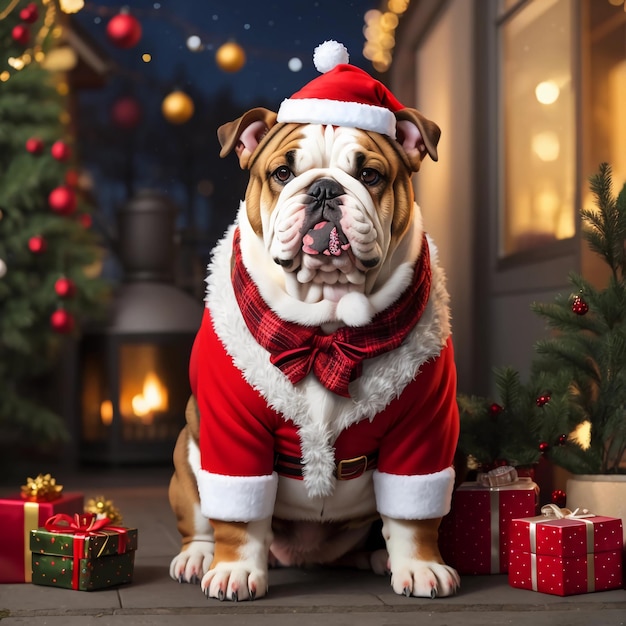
x=335 y=359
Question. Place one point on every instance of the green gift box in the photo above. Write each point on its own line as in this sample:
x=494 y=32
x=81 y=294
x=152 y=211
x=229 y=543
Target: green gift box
x=82 y=553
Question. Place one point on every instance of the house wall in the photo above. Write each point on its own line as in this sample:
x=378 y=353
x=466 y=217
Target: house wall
x=441 y=88
x=445 y=64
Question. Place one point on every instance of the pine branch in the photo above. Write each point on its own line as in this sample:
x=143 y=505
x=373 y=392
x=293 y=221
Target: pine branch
x=605 y=230
x=563 y=353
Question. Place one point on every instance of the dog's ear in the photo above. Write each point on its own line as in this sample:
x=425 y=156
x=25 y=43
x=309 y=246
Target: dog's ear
x=244 y=134
x=417 y=135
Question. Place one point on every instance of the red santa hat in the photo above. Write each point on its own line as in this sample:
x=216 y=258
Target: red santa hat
x=343 y=96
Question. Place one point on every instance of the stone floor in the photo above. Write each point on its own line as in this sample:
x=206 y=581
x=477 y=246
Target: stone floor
x=332 y=597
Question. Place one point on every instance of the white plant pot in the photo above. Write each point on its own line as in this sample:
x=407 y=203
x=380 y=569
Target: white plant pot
x=601 y=494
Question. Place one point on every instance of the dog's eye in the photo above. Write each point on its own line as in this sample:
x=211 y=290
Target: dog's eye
x=282 y=174
x=370 y=176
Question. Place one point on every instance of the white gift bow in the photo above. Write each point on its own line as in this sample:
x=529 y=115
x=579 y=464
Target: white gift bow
x=554 y=512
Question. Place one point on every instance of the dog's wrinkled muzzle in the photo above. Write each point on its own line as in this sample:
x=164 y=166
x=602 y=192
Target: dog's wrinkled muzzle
x=321 y=229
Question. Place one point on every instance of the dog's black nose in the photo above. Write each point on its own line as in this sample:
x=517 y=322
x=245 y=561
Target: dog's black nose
x=321 y=229
x=325 y=189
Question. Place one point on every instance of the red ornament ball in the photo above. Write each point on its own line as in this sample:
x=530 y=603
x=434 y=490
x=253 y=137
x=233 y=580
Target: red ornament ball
x=85 y=220
x=29 y=13
x=543 y=399
x=126 y=113
x=71 y=178
x=495 y=410
x=65 y=287
x=559 y=497
x=21 y=34
x=543 y=446
x=62 y=200
x=579 y=306
x=124 y=31
x=34 y=145
x=60 y=151
x=37 y=244
x=562 y=440
x=62 y=322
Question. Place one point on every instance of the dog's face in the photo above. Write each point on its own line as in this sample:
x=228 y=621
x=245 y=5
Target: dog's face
x=332 y=205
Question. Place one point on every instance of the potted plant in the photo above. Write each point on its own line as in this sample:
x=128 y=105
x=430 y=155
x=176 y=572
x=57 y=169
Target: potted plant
x=585 y=358
x=572 y=411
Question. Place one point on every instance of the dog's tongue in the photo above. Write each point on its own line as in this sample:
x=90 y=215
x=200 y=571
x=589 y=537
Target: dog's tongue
x=323 y=238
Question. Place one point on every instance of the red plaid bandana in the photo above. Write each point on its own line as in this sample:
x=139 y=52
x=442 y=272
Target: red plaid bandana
x=335 y=359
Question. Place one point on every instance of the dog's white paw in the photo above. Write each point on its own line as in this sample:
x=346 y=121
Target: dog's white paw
x=234 y=581
x=424 y=579
x=190 y=565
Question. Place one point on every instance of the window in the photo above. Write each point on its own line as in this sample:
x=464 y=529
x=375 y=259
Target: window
x=537 y=130
x=604 y=93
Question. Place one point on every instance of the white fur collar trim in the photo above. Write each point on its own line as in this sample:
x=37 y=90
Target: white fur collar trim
x=320 y=415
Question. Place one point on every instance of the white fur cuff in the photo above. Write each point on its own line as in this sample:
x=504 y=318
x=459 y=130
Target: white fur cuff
x=414 y=497
x=237 y=498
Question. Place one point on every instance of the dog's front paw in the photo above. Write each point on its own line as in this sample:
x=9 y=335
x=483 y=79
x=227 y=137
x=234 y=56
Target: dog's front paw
x=190 y=565
x=424 y=579
x=234 y=581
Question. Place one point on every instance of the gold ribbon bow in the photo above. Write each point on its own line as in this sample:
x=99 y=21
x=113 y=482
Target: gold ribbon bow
x=43 y=488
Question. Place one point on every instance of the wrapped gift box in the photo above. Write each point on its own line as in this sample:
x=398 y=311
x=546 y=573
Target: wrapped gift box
x=18 y=517
x=474 y=536
x=566 y=555
x=83 y=554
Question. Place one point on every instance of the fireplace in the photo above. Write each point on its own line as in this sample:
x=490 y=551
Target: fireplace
x=134 y=369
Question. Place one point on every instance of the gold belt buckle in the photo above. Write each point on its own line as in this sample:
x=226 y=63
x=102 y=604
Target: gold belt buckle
x=360 y=463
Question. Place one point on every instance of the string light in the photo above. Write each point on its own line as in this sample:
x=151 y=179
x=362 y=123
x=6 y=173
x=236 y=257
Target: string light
x=379 y=31
x=71 y=6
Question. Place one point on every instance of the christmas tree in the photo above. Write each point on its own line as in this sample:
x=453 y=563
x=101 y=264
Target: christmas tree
x=577 y=382
x=586 y=357
x=45 y=240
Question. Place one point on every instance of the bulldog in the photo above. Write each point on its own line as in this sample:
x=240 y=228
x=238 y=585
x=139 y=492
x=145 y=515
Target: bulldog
x=322 y=376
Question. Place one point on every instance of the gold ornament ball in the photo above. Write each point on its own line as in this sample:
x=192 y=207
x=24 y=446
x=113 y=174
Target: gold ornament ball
x=177 y=107
x=230 y=57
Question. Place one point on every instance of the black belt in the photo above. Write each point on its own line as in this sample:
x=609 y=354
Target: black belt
x=344 y=470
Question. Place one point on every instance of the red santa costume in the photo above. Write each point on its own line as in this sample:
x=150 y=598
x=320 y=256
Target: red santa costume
x=270 y=446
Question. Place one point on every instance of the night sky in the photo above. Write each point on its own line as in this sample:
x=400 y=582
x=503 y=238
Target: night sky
x=271 y=33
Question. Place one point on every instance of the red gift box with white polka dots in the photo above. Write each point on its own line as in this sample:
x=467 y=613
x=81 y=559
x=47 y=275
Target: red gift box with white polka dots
x=565 y=557
x=474 y=536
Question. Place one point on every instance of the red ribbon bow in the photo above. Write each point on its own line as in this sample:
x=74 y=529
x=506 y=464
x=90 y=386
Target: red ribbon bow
x=334 y=362
x=81 y=523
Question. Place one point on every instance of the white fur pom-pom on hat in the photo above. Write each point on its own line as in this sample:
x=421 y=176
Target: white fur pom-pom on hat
x=328 y=55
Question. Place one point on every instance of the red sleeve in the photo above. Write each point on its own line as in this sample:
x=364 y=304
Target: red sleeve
x=423 y=436
x=236 y=426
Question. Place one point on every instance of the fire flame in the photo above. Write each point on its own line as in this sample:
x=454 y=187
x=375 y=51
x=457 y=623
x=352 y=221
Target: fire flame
x=106 y=412
x=153 y=398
